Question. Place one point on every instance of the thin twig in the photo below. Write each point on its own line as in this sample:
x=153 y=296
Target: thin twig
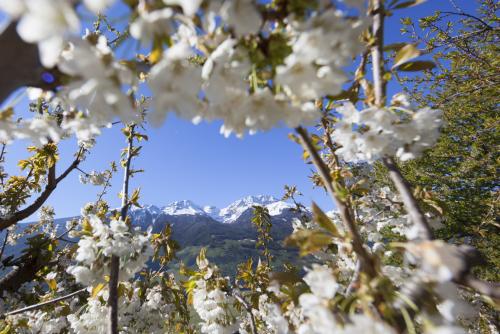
x=40 y=305
x=354 y=279
x=115 y=260
x=377 y=52
x=52 y=183
x=470 y=16
x=248 y=308
x=4 y=243
x=411 y=204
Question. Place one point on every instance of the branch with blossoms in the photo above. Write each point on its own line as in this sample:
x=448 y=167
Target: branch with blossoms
x=461 y=276
x=367 y=263
x=114 y=269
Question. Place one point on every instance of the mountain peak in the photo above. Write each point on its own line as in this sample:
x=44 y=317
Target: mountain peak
x=259 y=199
x=232 y=212
x=184 y=207
x=227 y=215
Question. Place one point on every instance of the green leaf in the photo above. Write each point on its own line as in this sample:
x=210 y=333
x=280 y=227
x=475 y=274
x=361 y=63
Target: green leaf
x=415 y=66
x=6 y=330
x=96 y=289
x=322 y=220
x=52 y=284
x=308 y=241
x=394 y=46
x=405 y=54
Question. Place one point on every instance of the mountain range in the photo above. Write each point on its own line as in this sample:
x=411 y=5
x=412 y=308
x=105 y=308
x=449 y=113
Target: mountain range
x=227 y=233
x=227 y=215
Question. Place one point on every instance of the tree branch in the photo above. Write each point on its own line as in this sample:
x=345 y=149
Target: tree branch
x=4 y=244
x=40 y=305
x=115 y=260
x=403 y=187
x=49 y=188
x=367 y=262
x=377 y=52
x=470 y=16
x=411 y=205
x=248 y=308
x=490 y=289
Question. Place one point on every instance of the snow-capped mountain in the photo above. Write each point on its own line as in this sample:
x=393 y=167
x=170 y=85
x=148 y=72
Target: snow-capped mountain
x=227 y=232
x=185 y=207
x=233 y=211
x=227 y=215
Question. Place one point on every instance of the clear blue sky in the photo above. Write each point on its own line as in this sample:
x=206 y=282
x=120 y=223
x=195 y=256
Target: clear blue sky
x=184 y=161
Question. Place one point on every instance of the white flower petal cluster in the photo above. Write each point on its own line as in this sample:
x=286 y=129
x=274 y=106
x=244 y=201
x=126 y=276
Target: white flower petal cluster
x=360 y=323
x=152 y=24
x=136 y=314
x=39 y=130
x=271 y=314
x=439 y=260
x=213 y=308
x=242 y=16
x=319 y=318
x=189 y=7
x=321 y=281
x=94 y=251
x=85 y=131
x=98 y=6
x=322 y=45
x=97 y=89
x=94 y=178
x=227 y=91
x=373 y=133
x=93 y=320
x=176 y=83
x=446 y=330
x=453 y=307
x=41 y=322
x=47 y=22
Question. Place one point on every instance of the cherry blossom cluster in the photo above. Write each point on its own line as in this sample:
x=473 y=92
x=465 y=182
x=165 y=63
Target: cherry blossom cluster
x=225 y=83
x=210 y=301
x=372 y=133
x=140 y=311
x=100 y=241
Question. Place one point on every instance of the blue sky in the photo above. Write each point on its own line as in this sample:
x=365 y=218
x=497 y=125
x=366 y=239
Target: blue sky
x=184 y=161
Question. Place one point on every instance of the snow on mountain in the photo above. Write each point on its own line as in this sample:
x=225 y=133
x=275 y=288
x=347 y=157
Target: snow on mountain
x=277 y=208
x=227 y=215
x=232 y=212
x=212 y=211
x=152 y=209
x=185 y=207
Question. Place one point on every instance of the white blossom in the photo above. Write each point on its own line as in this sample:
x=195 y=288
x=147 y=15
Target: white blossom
x=95 y=250
x=242 y=16
x=47 y=22
x=176 y=84
x=152 y=24
x=189 y=7
x=440 y=260
x=373 y=133
x=321 y=281
x=98 y=5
